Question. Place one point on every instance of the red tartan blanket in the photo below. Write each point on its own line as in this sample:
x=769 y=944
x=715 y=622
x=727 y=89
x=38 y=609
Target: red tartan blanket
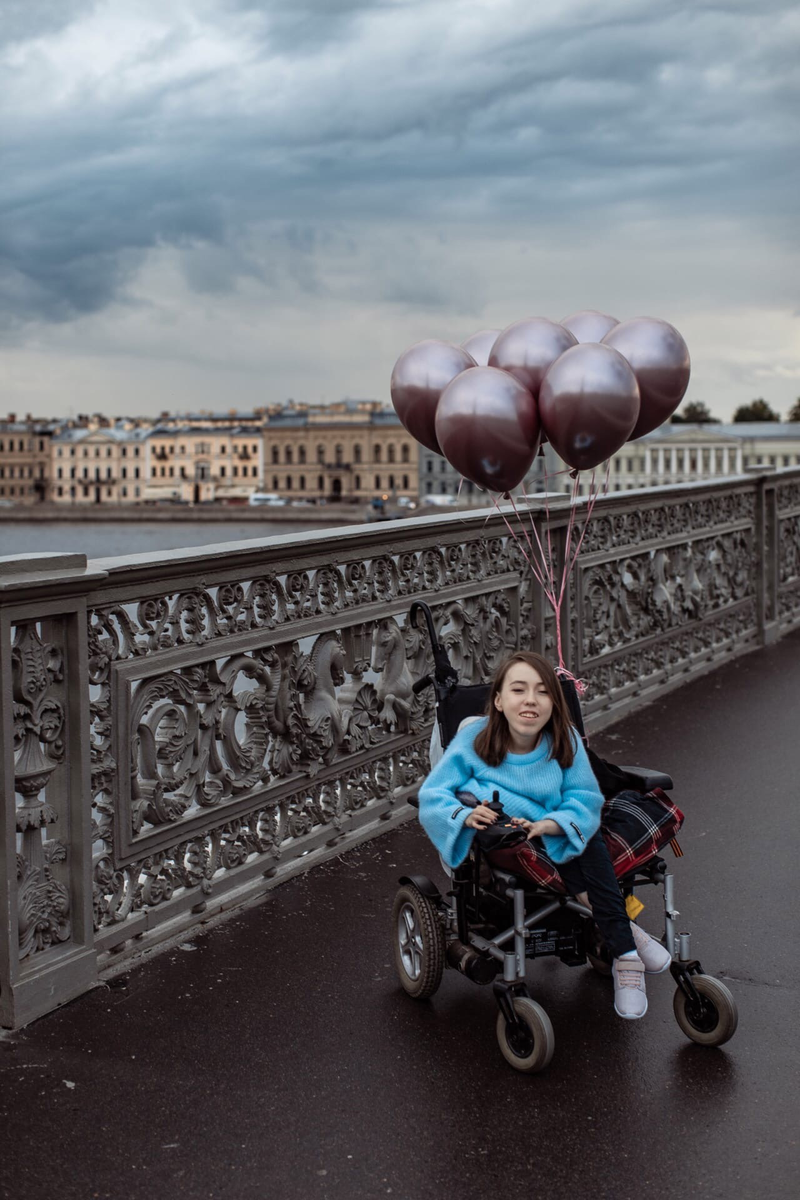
x=635 y=827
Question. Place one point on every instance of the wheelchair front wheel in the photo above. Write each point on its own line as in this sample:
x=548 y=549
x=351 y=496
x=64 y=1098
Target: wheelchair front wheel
x=713 y=1023
x=531 y=1047
x=418 y=942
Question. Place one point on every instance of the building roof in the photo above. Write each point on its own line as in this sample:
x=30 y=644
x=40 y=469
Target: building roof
x=111 y=434
x=739 y=431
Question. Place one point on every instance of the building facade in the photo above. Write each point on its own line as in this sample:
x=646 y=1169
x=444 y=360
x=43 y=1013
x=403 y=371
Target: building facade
x=98 y=466
x=201 y=465
x=351 y=451
x=24 y=460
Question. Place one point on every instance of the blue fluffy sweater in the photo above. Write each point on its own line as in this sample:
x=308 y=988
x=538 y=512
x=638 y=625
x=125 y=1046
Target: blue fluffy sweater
x=530 y=786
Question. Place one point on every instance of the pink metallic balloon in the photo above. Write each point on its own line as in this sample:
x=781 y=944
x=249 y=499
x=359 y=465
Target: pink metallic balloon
x=488 y=428
x=527 y=348
x=589 y=325
x=480 y=345
x=660 y=360
x=588 y=404
x=419 y=377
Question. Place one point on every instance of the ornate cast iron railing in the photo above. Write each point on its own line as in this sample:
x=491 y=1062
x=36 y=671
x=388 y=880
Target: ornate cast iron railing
x=181 y=731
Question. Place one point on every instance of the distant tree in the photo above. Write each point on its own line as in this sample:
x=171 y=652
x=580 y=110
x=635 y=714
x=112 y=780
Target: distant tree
x=756 y=410
x=794 y=411
x=694 y=413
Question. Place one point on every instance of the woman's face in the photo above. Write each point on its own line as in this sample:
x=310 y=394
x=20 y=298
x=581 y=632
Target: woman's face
x=525 y=703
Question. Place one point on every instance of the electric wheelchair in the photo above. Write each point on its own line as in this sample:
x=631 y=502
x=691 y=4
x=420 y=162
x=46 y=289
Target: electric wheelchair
x=490 y=921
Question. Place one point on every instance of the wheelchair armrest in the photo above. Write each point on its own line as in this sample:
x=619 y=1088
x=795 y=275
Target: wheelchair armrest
x=650 y=779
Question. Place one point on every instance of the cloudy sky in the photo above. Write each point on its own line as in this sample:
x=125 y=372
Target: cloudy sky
x=225 y=203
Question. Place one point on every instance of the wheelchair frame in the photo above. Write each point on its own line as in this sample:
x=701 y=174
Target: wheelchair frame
x=559 y=925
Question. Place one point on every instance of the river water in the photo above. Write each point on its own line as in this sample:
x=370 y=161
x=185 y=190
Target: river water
x=105 y=540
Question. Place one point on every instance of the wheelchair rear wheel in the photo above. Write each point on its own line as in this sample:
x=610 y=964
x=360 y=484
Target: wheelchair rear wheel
x=418 y=942
x=530 y=1048
x=713 y=1024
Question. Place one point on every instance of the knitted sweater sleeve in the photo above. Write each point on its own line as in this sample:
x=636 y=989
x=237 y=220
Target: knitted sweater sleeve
x=440 y=813
x=578 y=811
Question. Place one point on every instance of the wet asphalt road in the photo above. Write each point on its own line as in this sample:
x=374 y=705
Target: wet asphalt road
x=278 y=1057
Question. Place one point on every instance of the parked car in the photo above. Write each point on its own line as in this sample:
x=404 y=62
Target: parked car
x=267 y=499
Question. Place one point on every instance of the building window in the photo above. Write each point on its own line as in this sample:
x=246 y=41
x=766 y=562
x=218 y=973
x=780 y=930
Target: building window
x=320 y=454
x=405 y=454
x=288 y=454
x=288 y=483
x=429 y=466
x=358 y=483
x=357 y=453
x=339 y=452
x=377 y=482
x=320 y=484
x=108 y=452
x=124 y=491
x=136 y=455
x=163 y=472
x=275 y=484
x=429 y=486
x=60 y=472
x=172 y=472
x=390 y=452
x=302 y=484
x=235 y=471
x=391 y=482
x=61 y=491
x=254 y=472
x=97 y=451
x=443 y=467
x=222 y=472
x=254 y=449
x=276 y=454
x=377 y=454
x=124 y=451
x=301 y=454
x=405 y=482
x=135 y=472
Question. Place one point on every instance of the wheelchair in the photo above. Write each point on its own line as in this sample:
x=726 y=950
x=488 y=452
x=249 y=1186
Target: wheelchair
x=491 y=922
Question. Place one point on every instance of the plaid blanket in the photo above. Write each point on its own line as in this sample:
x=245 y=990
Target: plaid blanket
x=635 y=827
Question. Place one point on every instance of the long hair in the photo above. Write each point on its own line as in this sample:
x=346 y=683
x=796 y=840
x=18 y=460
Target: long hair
x=493 y=741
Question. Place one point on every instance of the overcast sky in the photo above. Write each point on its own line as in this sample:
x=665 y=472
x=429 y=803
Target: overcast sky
x=225 y=203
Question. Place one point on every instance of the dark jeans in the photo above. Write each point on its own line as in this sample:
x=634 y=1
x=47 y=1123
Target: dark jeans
x=593 y=873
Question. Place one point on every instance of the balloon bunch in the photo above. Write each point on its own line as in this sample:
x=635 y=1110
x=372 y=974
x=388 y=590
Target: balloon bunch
x=588 y=384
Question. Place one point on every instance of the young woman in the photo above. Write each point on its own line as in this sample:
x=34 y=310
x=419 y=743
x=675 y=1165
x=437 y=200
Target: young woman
x=527 y=749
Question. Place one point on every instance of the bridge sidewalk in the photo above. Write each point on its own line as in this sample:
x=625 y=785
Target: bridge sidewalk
x=277 y=1058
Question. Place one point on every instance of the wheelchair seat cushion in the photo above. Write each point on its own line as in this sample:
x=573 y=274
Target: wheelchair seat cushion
x=634 y=827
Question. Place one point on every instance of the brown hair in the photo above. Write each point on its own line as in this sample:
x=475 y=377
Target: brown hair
x=493 y=741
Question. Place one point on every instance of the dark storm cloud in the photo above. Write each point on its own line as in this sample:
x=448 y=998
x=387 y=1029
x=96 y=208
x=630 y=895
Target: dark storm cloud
x=344 y=114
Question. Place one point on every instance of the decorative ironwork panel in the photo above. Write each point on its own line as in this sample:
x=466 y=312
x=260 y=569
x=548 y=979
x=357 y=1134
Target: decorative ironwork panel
x=788 y=552
x=43 y=895
x=239 y=726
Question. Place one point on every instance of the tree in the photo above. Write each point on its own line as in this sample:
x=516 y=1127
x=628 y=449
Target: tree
x=756 y=410
x=695 y=412
x=794 y=411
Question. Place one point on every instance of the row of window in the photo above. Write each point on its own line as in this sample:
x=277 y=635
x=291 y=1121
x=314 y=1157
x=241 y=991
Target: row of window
x=390 y=484
x=97 y=452
x=85 y=474
x=16 y=491
x=204 y=448
x=202 y=471
x=20 y=445
x=8 y=472
x=87 y=491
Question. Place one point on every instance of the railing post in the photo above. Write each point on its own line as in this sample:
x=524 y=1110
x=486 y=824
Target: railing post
x=767 y=563
x=46 y=945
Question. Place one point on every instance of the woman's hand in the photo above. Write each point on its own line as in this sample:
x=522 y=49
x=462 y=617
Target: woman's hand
x=537 y=828
x=481 y=817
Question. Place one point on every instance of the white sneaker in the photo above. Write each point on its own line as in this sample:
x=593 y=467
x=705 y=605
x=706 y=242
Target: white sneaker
x=630 y=998
x=654 y=956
